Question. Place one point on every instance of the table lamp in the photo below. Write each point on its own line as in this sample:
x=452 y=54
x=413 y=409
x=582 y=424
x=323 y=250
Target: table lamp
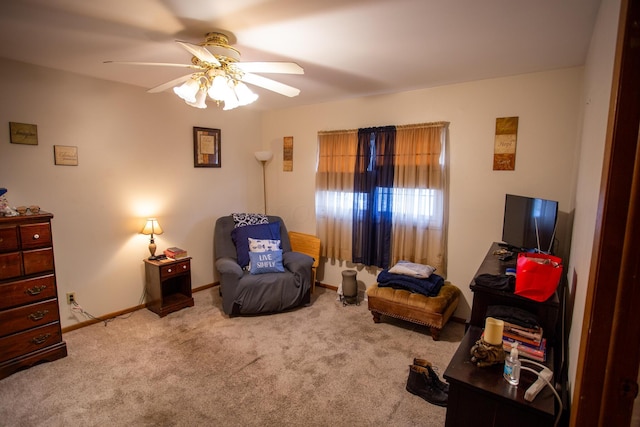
x=152 y=227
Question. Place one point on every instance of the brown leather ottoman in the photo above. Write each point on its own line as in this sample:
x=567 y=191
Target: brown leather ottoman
x=433 y=312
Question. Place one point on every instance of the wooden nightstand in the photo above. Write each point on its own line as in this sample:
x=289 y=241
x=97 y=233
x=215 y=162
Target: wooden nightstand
x=168 y=285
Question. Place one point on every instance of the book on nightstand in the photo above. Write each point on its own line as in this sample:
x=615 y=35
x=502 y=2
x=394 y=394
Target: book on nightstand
x=538 y=353
x=534 y=352
x=175 y=253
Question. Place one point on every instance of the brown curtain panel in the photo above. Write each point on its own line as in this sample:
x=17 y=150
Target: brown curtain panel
x=420 y=178
x=334 y=192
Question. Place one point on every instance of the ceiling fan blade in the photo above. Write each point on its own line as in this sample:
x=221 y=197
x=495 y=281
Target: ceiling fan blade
x=200 y=52
x=158 y=64
x=270 y=67
x=170 y=84
x=272 y=85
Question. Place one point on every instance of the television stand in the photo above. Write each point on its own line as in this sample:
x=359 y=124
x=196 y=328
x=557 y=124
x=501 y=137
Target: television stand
x=481 y=396
x=547 y=312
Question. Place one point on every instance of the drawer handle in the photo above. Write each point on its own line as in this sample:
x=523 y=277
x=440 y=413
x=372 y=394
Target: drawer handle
x=38 y=315
x=40 y=339
x=169 y=270
x=36 y=236
x=1 y=239
x=35 y=290
x=184 y=267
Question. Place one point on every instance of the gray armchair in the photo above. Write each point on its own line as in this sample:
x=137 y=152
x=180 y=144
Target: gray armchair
x=246 y=293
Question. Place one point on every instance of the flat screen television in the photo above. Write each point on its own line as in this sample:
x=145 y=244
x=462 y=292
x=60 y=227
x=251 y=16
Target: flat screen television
x=529 y=223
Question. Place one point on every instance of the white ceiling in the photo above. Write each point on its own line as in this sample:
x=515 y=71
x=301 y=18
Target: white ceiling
x=348 y=48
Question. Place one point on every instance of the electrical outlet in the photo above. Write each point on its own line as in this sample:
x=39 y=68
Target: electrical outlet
x=71 y=297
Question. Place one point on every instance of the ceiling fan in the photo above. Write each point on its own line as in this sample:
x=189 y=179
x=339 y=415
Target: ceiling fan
x=219 y=74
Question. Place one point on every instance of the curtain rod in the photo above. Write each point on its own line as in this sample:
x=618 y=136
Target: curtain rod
x=412 y=126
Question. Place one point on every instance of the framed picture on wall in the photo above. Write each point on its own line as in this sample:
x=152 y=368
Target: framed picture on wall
x=23 y=133
x=206 y=148
x=65 y=155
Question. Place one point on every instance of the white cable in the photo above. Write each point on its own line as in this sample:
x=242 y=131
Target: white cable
x=553 y=236
x=552 y=389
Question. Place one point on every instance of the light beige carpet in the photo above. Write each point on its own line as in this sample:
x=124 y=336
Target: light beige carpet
x=325 y=364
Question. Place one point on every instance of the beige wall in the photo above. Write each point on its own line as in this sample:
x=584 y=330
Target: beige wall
x=135 y=160
x=549 y=110
x=596 y=95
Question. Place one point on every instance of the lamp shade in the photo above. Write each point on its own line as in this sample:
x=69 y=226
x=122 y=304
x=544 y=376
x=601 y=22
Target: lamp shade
x=188 y=90
x=263 y=156
x=245 y=95
x=200 y=99
x=219 y=89
x=152 y=227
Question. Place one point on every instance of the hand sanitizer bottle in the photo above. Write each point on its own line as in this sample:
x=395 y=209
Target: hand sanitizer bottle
x=512 y=366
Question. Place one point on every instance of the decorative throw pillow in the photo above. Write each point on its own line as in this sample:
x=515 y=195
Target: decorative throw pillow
x=407 y=268
x=262 y=245
x=240 y=236
x=266 y=262
x=243 y=219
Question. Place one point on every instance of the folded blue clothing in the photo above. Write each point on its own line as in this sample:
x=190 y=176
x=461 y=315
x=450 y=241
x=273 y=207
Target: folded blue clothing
x=429 y=286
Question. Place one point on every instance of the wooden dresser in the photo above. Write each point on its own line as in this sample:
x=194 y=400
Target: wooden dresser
x=29 y=316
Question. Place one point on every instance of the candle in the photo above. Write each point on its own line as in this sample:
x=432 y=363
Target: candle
x=493 y=331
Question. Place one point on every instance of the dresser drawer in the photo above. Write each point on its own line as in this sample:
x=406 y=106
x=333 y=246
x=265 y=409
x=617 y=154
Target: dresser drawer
x=35 y=235
x=38 y=261
x=27 y=291
x=26 y=317
x=10 y=265
x=31 y=340
x=8 y=239
x=174 y=269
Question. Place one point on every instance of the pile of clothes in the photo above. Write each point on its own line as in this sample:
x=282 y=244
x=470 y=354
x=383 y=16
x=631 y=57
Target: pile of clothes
x=412 y=277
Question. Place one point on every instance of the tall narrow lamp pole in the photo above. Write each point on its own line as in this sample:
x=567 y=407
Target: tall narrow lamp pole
x=263 y=157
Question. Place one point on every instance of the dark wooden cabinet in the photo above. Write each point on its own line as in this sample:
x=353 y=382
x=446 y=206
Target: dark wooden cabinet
x=30 y=330
x=168 y=285
x=481 y=396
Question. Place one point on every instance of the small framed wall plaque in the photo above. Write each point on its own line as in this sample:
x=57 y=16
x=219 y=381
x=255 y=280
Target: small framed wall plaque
x=23 y=133
x=65 y=155
x=206 y=148
x=287 y=154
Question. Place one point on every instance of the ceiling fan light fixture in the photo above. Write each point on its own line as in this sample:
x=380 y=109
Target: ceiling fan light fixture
x=188 y=90
x=220 y=74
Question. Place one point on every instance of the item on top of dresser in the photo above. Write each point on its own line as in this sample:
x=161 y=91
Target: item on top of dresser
x=5 y=209
x=501 y=282
x=34 y=209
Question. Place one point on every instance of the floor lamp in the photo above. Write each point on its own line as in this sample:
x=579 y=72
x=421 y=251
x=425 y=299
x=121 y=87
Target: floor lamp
x=263 y=157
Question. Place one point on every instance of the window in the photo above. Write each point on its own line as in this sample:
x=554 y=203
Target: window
x=415 y=200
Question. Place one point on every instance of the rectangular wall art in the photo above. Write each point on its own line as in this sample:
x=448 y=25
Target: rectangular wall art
x=206 y=148
x=287 y=154
x=504 y=149
x=65 y=155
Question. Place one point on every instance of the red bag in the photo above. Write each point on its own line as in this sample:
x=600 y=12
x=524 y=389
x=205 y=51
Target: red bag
x=537 y=275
